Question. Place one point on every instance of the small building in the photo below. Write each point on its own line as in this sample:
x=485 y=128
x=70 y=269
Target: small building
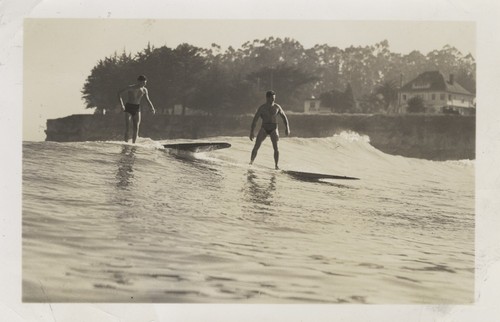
x=312 y=105
x=440 y=95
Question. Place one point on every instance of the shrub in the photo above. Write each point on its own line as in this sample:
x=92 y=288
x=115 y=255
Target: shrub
x=416 y=105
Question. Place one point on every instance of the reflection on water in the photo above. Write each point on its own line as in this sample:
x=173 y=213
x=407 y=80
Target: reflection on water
x=315 y=178
x=149 y=226
x=125 y=173
x=329 y=182
x=125 y=189
x=258 y=191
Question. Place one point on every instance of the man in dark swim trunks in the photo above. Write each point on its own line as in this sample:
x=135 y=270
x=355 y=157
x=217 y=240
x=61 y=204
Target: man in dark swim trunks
x=268 y=113
x=132 y=108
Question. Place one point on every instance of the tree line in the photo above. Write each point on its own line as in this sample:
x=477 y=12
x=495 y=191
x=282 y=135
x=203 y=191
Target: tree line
x=233 y=81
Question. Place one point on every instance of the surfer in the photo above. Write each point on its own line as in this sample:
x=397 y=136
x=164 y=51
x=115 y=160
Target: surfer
x=268 y=112
x=132 y=108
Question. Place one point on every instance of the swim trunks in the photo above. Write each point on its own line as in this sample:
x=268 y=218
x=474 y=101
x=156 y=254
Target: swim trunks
x=270 y=127
x=133 y=109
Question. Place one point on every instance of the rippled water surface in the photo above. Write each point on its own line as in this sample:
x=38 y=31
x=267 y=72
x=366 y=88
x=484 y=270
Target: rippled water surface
x=112 y=222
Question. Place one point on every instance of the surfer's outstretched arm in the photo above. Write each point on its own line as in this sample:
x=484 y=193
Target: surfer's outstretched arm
x=285 y=120
x=146 y=94
x=120 y=92
x=254 y=123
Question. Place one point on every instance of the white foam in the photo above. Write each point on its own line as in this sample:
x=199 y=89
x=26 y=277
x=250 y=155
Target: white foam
x=140 y=142
x=352 y=136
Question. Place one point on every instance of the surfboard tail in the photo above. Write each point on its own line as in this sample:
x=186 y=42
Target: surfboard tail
x=198 y=147
x=316 y=176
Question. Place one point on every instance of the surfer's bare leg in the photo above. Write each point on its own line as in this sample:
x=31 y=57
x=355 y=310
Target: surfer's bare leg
x=136 y=121
x=127 y=121
x=275 y=138
x=258 y=141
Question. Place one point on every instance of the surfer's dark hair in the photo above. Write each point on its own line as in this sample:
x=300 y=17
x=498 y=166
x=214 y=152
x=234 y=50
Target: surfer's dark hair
x=270 y=93
x=141 y=78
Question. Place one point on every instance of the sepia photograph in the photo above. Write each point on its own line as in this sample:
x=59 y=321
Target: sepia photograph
x=249 y=161
x=246 y=162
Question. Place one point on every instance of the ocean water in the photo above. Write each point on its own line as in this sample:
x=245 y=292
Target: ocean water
x=116 y=222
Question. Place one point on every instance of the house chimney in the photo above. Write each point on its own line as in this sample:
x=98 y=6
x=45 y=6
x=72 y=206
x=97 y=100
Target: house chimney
x=452 y=79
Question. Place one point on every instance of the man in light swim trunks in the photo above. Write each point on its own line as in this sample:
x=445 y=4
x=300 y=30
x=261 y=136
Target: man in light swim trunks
x=132 y=108
x=268 y=113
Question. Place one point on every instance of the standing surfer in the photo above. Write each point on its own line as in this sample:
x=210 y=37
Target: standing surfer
x=268 y=112
x=132 y=108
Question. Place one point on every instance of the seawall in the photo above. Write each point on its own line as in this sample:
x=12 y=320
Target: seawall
x=433 y=137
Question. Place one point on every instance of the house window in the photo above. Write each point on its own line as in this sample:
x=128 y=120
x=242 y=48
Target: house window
x=433 y=97
x=441 y=97
x=420 y=85
x=404 y=97
x=450 y=97
x=312 y=104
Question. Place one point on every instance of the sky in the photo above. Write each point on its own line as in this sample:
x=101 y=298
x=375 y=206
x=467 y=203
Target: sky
x=41 y=78
x=59 y=53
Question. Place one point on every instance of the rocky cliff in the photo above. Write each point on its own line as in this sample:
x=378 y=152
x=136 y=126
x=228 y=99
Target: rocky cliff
x=434 y=137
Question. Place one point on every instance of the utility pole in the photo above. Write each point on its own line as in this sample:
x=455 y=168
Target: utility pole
x=399 y=92
x=272 y=85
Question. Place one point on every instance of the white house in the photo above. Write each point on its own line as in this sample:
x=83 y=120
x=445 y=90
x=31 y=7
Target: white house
x=438 y=93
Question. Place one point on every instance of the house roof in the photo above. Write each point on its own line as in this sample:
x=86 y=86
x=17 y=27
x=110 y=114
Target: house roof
x=434 y=81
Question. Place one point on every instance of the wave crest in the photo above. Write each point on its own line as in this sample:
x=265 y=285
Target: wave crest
x=352 y=136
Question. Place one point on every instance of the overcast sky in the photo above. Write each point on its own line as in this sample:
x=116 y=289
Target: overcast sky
x=60 y=53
